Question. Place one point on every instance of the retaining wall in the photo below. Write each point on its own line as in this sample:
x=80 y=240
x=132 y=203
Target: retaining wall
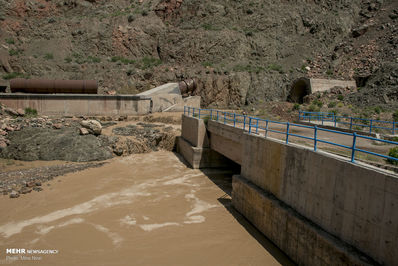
x=78 y=104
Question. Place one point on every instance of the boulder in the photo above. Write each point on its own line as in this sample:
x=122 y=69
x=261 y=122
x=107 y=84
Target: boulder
x=14 y=194
x=20 y=112
x=93 y=126
x=57 y=126
x=11 y=111
x=83 y=131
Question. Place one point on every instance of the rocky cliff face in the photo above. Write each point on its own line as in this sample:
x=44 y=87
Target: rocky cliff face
x=240 y=52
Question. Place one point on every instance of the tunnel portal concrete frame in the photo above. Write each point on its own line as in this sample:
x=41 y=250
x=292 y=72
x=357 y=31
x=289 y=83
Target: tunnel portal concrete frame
x=306 y=86
x=319 y=208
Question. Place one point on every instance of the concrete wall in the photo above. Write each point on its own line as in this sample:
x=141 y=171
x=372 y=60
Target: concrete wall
x=327 y=84
x=356 y=203
x=194 y=143
x=194 y=131
x=352 y=202
x=305 y=86
x=226 y=140
x=304 y=242
x=78 y=104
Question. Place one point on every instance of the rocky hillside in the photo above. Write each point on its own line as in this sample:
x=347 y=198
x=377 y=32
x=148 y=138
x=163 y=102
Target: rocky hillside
x=240 y=52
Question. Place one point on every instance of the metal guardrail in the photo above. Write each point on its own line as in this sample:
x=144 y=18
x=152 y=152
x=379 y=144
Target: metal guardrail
x=253 y=124
x=362 y=123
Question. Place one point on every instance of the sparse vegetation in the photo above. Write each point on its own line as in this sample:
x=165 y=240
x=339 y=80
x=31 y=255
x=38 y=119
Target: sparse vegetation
x=10 y=41
x=68 y=59
x=395 y=116
x=340 y=97
x=12 y=75
x=393 y=153
x=332 y=105
x=149 y=62
x=296 y=107
x=14 y=52
x=276 y=67
x=48 y=56
x=30 y=111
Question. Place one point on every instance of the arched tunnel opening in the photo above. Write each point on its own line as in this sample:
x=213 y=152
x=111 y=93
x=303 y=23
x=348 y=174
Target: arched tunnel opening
x=299 y=90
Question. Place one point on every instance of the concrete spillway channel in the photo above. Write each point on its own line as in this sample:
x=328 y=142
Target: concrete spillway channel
x=319 y=208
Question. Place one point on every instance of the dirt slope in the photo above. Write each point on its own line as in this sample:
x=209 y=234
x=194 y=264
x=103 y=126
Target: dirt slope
x=240 y=52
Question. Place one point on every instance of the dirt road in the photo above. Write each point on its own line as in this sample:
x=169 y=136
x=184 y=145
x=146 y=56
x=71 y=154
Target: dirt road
x=146 y=209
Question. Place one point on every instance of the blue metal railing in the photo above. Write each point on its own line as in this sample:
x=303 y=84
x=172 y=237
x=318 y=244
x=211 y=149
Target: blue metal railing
x=361 y=123
x=254 y=124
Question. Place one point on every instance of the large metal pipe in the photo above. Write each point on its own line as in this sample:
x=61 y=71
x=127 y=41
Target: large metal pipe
x=54 y=86
x=187 y=86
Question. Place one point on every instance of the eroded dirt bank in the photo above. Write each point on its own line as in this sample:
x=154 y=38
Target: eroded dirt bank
x=143 y=209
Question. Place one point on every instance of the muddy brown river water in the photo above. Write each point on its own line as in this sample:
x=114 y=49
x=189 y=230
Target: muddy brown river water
x=146 y=209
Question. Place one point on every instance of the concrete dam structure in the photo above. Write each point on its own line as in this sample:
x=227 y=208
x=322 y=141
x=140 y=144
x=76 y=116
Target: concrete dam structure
x=319 y=208
x=160 y=99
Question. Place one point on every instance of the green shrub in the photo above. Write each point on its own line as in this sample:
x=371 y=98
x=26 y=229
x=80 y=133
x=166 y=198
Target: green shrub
x=48 y=56
x=395 y=116
x=12 y=75
x=149 y=62
x=207 y=64
x=332 y=104
x=68 y=59
x=313 y=108
x=276 y=67
x=296 y=106
x=10 y=41
x=93 y=59
x=393 y=153
x=30 y=111
x=13 y=52
x=378 y=110
x=340 y=97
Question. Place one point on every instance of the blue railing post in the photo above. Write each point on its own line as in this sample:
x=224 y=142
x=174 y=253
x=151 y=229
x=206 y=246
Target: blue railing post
x=266 y=129
x=217 y=115
x=225 y=113
x=234 y=120
x=189 y=111
x=335 y=120
x=199 y=113
x=250 y=125
x=211 y=114
x=244 y=122
x=371 y=124
x=315 y=137
x=257 y=126
x=299 y=115
x=351 y=124
x=322 y=120
x=354 y=142
x=287 y=132
x=193 y=112
x=393 y=127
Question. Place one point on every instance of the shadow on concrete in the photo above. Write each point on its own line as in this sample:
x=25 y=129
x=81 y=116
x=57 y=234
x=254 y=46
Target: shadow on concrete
x=223 y=179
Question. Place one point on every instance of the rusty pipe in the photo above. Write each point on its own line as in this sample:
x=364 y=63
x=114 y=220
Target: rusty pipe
x=187 y=86
x=54 y=86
